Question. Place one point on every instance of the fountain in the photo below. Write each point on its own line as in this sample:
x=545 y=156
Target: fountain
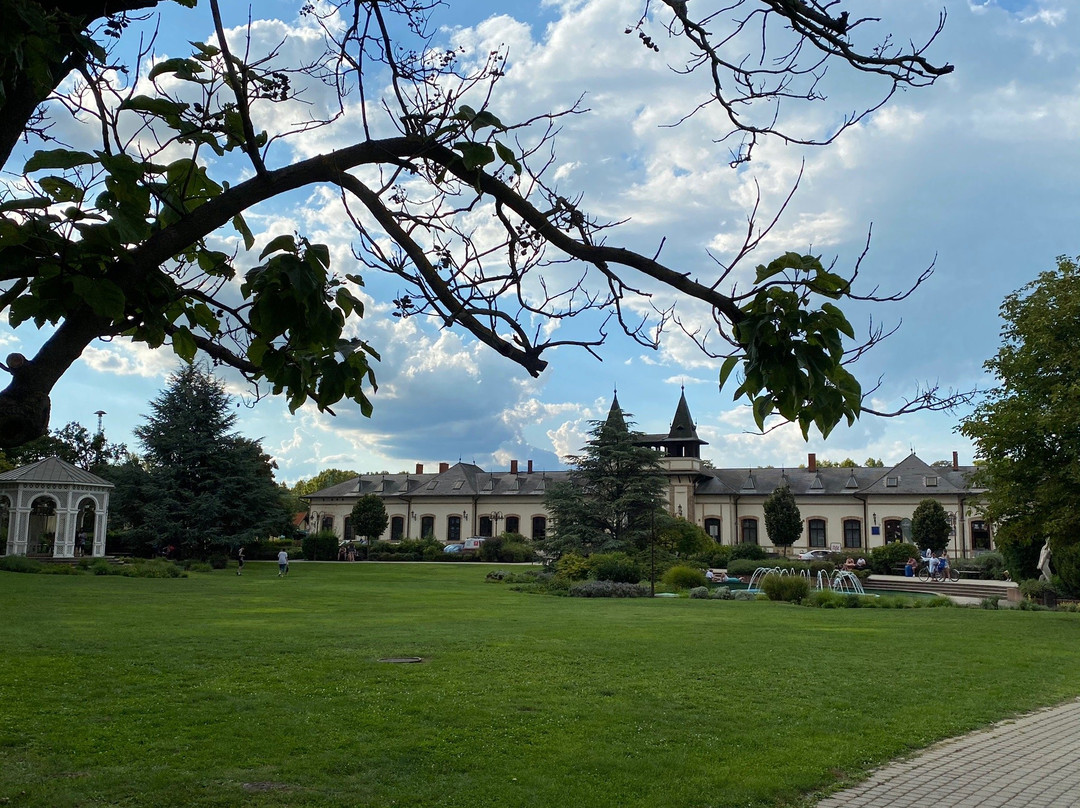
x=843 y=581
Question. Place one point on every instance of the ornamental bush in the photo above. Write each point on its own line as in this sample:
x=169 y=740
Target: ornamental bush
x=751 y=551
x=683 y=577
x=608 y=589
x=884 y=559
x=572 y=567
x=790 y=588
x=618 y=567
x=321 y=546
x=699 y=593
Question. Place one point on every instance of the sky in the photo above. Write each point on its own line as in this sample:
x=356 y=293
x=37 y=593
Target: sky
x=976 y=175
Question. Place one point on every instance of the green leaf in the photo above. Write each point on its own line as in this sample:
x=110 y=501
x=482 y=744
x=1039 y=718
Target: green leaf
x=286 y=243
x=485 y=119
x=101 y=294
x=187 y=69
x=726 y=369
x=58 y=158
x=240 y=226
x=34 y=202
x=508 y=157
x=475 y=155
x=184 y=344
x=61 y=190
x=160 y=107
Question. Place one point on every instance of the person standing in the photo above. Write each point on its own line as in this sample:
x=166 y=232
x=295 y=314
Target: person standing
x=283 y=563
x=240 y=561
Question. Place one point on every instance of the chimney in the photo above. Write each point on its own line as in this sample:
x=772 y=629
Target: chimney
x=955 y=462
x=419 y=468
x=513 y=467
x=443 y=468
x=530 y=467
x=811 y=461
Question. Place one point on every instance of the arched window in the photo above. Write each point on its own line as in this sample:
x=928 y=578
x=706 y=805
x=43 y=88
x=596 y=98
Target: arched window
x=397 y=528
x=852 y=533
x=453 y=528
x=893 y=531
x=427 y=527
x=485 y=526
x=327 y=523
x=712 y=527
x=539 y=528
x=749 y=531
x=815 y=529
x=348 y=529
x=513 y=524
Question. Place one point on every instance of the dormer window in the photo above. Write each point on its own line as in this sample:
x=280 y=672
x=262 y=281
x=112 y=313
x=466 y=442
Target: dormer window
x=931 y=480
x=892 y=482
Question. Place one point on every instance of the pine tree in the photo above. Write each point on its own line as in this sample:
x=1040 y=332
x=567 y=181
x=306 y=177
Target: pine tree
x=211 y=488
x=614 y=495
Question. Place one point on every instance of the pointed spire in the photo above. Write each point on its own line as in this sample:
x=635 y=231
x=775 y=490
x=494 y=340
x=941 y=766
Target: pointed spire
x=682 y=425
x=615 y=419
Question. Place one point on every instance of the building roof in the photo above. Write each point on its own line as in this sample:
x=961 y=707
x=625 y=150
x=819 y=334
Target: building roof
x=55 y=471
x=460 y=480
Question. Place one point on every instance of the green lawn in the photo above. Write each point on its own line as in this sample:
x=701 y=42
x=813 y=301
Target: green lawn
x=223 y=690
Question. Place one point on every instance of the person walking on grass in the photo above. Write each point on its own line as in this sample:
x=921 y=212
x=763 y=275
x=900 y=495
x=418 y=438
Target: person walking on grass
x=283 y=563
x=240 y=561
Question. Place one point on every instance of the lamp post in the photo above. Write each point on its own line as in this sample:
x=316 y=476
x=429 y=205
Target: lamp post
x=495 y=517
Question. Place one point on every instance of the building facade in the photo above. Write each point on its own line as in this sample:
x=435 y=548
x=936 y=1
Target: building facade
x=842 y=508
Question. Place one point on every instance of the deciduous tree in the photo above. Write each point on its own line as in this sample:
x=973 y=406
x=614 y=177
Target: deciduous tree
x=130 y=236
x=930 y=526
x=1027 y=428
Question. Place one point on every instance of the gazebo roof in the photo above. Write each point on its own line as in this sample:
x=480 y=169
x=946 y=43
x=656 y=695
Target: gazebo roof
x=56 y=471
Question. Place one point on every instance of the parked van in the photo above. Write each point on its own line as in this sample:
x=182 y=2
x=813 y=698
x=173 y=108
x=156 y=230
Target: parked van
x=473 y=543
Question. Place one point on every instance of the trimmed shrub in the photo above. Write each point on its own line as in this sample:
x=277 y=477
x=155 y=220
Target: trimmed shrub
x=884 y=559
x=700 y=593
x=745 y=566
x=742 y=594
x=322 y=546
x=790 y=588
x=752 y=551
x=683 y=577
x=717 y=556
x=617 y=567
x=721 y=593
x=14 y=563
x=572 y=567
x=608 y=589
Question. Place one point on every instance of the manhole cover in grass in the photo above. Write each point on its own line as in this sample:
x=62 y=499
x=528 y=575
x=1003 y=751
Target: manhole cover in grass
x=401 y=660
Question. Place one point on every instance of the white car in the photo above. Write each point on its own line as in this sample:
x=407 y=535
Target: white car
x=814 y=555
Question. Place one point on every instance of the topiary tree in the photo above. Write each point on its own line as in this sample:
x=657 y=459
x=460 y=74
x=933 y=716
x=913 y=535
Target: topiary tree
x=930 y=526
x=783 y=521
x=369 y=520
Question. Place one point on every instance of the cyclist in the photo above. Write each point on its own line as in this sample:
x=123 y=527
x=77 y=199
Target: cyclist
x=943 y=565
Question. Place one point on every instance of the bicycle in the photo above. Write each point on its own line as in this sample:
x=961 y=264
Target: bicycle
x=949 y=574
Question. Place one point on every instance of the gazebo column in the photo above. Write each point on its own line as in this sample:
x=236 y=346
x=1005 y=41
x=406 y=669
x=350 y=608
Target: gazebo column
x=64 y=546
x=19 y=527
x=100 y=519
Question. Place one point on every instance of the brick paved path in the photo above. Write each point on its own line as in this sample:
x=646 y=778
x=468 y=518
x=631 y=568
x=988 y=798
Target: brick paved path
x=1029 y=762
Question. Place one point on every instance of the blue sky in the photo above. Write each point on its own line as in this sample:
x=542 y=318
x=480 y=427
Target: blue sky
x=977 y=174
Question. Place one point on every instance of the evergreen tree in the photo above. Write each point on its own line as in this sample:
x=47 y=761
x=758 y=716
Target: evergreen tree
x=614 y=496
x=783 y=522
x=210 y=489
x=930 y=526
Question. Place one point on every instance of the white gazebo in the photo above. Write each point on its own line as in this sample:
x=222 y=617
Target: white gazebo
x=45 y=504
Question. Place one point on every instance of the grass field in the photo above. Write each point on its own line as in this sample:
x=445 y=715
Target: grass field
x=218 y=690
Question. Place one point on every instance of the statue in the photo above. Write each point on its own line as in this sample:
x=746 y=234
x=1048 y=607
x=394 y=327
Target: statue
x=1044 y=562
